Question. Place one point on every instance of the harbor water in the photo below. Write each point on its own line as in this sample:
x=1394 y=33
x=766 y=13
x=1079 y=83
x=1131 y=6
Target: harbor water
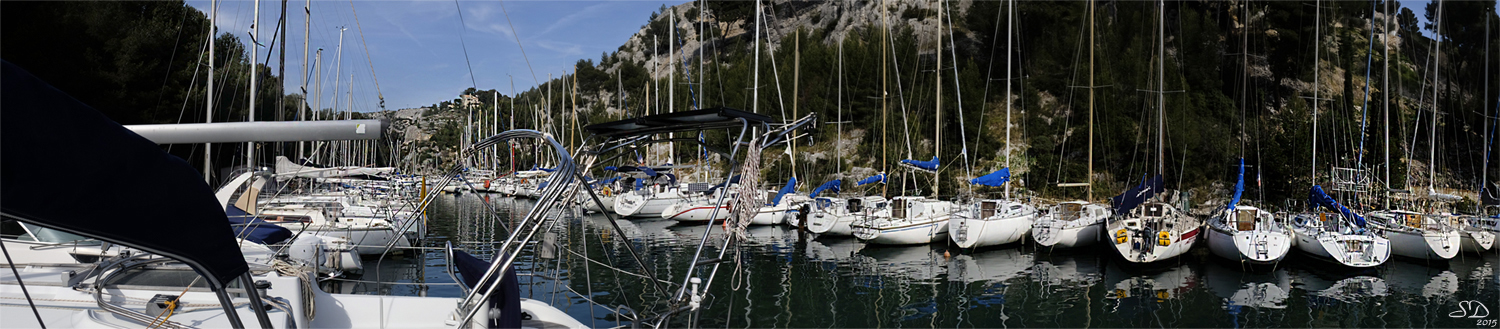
x=780 y=278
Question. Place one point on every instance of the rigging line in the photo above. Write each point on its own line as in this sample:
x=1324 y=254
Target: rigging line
x=989 y=73
x=518 y=41
x=189 y=94
x=366 y=46
x=160 y=94
x=1364 y=109
x=958 y=92
x=22 y=283
x=461 y=27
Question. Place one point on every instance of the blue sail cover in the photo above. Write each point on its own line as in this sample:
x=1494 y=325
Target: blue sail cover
x=791 y=186
x=931 y=165
x=169 y=210
x=1317 y=198
x=253 y=228
x=878 y=178
x=831 y=186
x=1133 y=197
x=649 y=172
x=507 y=298
x=994 y=179
x=1239 y=186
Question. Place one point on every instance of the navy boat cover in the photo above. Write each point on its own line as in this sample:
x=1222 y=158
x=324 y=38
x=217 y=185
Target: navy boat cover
x=1133 y=197
x=930 y=165
x=995 y=179
x=1317 y=198
x=507 y=298
x=831 y=186
x=169 y=210
x=791 y=186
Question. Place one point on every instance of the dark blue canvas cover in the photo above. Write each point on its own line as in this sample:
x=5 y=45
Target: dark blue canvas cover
x=994 y=179
x=507 y=298
x=1133 y=197
x=254 y=229
x=46 y=135
x=831 y=186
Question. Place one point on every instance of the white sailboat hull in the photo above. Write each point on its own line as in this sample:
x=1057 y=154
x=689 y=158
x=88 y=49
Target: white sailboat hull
x=1352 y=250
x=639 y=205
x=1478 y=241
x=826 y=223
x=1250 y=247
x=1425 y=245
x=923 y=232
x=968 y=232
x=1082 y=226
x=688 y=212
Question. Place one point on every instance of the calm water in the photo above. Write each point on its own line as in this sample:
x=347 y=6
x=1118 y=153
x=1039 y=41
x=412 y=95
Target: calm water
x=778 y=279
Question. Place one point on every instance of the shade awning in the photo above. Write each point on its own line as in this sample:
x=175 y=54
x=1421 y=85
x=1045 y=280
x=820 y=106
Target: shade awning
x=168 y=211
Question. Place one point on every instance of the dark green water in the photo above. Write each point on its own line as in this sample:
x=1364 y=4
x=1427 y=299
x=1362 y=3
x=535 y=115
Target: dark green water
x=779 y=279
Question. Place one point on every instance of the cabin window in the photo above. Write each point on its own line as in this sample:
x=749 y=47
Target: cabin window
x=899 y=209
x=855 y=205
x=986 y=209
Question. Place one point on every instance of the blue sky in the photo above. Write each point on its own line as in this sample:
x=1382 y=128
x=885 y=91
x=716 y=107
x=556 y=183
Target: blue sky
x=415 y=46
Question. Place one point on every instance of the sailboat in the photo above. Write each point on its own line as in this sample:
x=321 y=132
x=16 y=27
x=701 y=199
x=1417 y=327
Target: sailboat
x=912 y=219
x=1079 y=223
x=1244 y=233
x=1247 y=234
x=834 y=216
x=991 y=222
x=1426 y=236
x=1148 y=227
x=195 y=276
x=907 y=219
x=651 y=193
x=1331 y=231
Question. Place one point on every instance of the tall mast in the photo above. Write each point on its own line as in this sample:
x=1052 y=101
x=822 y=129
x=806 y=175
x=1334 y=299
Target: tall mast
x=209 y=99
x=508 y=146
x=885 y=160
x=1317 y=51
x=671 y=79
x=1091 y=102
x=755 y=82
x=937 y=146
x=1161 y=98
x=838 y=144
x=1437 y=51
x=1385 y=46
x=796 y=83
x=306 y=38
x=1010 y=17
x=254 y=82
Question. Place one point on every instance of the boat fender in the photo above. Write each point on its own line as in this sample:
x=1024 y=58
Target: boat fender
x=606 y=191
x=1164 y=238
x=1121 y=236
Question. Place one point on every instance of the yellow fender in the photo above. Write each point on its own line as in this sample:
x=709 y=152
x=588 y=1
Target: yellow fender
x=1164 y=238
x=1120 y=236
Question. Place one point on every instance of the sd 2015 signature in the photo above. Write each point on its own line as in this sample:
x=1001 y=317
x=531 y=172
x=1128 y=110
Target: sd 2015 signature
x=1474 y=309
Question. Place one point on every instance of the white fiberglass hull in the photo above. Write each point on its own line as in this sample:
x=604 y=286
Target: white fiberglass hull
x=1352 y=250
x=1427 y=245
x=1477 y=241
x=639 y=205
x=772 y=215
x=918 y=232
x=590 y=205
x=968 y=232
x=1250 y=247
x=1138 y=250
x=688 y=212
x=1066 y=235
x=825 y=223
